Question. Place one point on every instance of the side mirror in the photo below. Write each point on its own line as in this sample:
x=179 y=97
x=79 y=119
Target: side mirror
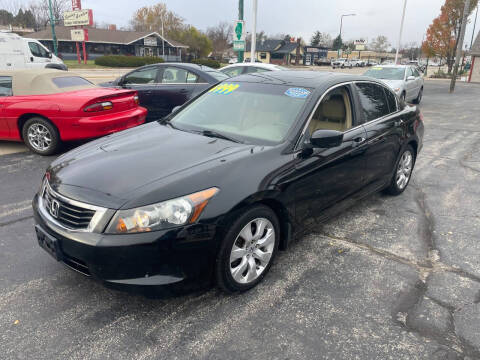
x=326 y=138
x=410 y=78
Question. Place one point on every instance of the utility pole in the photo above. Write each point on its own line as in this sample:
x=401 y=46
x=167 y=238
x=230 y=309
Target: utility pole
x=341 y=26
x=240 y=17
x=253 y=55
x=163 y=39
x=52 y=23
x=460 y=45
x=401 y=31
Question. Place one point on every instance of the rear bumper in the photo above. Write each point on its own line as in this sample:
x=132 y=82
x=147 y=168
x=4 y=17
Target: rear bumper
x=181 y=255
x=101 y=125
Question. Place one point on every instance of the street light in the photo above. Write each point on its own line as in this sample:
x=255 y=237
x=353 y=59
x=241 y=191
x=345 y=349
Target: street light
x=253 y=50
x=401 y=31
x=341 y=26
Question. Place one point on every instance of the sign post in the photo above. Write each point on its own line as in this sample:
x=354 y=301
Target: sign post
x=79 y=18
x=240 y=30
x=239 y=38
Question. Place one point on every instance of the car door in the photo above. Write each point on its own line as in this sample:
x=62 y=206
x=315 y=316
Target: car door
x=410 y=85
x=418 y=81
x=196 y=83
x=5 y=91
x=382 y=121
x=325 y=177
x=144 y=80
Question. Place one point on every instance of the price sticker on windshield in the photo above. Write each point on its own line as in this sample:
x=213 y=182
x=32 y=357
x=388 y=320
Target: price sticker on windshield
x=298 y=93
x=377 y=68
x=224 y=89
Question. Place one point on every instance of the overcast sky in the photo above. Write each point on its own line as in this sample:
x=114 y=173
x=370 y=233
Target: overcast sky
x=295 y=17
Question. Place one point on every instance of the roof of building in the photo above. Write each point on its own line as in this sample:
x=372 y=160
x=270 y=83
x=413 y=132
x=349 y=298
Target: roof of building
x=102 y=36
x=287 y=48
x=476 y=46
x=273 y=46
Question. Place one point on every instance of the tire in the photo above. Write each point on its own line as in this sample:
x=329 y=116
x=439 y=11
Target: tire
x=396 y=187
x=249 y=268
x=419 y=97
x=403 y=97
x=41 y=136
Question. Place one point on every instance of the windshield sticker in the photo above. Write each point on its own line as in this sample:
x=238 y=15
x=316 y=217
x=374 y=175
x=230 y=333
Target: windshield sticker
x=377 y=68
x=298 y=93
x=224 y=89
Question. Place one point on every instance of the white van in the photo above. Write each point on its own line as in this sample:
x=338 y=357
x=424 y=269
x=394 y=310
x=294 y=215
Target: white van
x=22 y=53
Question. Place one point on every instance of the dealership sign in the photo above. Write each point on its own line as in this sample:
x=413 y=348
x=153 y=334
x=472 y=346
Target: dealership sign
x=78 y=18
x=150 y=41
x=79 y=35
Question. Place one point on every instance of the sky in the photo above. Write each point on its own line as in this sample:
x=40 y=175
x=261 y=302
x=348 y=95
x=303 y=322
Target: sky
x=298 y=18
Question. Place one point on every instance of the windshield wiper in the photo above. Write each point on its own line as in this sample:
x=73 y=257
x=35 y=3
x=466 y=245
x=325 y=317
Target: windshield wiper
x=211 y=133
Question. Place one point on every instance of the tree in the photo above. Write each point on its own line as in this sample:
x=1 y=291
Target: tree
x=440 y=40
x=411 y=50
x=315 y=40
x=337 y=43
x=150 y=18
x=199 y=44
x=379 y=44
x=321 y=39
x=41 y=11
x=6 y=17
x=221 y=37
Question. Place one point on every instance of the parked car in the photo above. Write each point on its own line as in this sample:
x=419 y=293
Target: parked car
x=405 y=80
x=44 y=108
x=248 y=68
x=163 y=87
x=342 y=63
x=372 y=63
x=247 y=60
x=19 y=53
x=233 y=61
x=215 y=189
x=358 y=63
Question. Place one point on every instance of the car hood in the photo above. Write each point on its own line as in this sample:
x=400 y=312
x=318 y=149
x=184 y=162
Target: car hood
x=112 y=171
x=394 y=84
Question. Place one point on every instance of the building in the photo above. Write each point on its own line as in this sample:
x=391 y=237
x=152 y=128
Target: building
x=112 y=42
x=475 y=68
x=279 y=52
x=313 y=54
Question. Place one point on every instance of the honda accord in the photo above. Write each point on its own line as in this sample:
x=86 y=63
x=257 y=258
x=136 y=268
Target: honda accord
x=215 y=189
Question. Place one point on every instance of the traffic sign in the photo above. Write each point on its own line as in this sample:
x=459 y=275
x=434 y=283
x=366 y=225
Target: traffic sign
x=239 y=31
x=238 y=45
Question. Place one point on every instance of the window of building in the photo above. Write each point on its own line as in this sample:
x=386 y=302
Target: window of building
x=263 y=56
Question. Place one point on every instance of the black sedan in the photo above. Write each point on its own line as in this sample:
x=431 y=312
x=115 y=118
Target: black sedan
x=212 y=191
x=162 y=87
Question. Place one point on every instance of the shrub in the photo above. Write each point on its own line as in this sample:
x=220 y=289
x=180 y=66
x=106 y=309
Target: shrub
x=207 y=62
x=126 y=61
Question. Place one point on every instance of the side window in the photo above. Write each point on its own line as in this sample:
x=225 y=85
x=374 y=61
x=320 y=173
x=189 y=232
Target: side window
x=409 y=72
x=192 y=78
x=235 y=71
x=6 y=86
x=373 y=101
x=173 y=75
x=142 y=76
x=334 y=112
x=391 y=100
x=416 y=73
x=37 y=50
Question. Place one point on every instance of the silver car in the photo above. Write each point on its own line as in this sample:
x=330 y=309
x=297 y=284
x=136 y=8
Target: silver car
x=405 y=80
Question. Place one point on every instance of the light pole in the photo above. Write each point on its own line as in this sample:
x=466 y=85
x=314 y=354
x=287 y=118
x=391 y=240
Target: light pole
x=341 y=26
x=52 y=23
x=240 y=17
x=474 y=26
x=254 y=33
x=401 y=31
x=163 y=38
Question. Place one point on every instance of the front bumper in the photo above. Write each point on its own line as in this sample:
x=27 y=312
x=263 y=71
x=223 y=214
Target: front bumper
x=154 y=258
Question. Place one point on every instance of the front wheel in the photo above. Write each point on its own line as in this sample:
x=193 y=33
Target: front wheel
x=248 y=250
x=41 y=136
x=419 y=97
x=403 y=172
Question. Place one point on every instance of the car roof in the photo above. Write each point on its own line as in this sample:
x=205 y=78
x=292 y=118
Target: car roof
x=258 y=65
x=309 y=79
x=38 y=81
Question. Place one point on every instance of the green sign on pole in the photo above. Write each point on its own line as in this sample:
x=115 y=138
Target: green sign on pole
x=240 y=18
x=239 y=36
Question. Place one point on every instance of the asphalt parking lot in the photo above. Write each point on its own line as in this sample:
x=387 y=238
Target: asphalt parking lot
x=391 y=278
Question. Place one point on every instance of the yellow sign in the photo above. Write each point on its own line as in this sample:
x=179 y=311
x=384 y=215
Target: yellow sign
x=224 y=89
x=78 y=18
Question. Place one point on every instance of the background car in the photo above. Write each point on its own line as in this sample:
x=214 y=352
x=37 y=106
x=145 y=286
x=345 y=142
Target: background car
x=249 y=68
x=358 y=63
x=162 y=87
x=216 y=188
x=247 y=60
x=405 y=80
x=233 y=61
x=43 y=108
x=342 y=63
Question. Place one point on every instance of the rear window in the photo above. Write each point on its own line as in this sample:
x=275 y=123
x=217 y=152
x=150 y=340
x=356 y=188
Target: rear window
x=70 y=81
x=217 y=75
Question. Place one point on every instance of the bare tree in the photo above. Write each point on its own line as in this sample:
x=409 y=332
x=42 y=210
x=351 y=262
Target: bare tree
x=41 y=11
x=380 y=44
x=221 y=37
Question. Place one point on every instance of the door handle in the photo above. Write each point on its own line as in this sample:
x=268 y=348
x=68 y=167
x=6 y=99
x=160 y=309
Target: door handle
x=358 y=141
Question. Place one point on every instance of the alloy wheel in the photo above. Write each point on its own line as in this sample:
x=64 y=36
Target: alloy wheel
x=39 y=137
x=252 y=250
x=404 y=169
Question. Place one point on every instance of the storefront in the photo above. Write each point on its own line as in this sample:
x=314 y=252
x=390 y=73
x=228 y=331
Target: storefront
x=113 y=42
x=313 y=54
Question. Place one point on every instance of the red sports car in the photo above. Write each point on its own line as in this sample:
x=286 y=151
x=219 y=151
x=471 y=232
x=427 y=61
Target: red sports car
x=43 y=108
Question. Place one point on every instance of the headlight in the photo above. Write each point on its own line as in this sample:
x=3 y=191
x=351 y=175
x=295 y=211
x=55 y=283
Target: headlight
x=164 y=215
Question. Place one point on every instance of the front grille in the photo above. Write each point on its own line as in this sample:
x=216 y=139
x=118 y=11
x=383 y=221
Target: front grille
x=70 y=216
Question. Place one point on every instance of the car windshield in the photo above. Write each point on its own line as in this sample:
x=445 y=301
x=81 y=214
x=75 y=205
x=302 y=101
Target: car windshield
x=386 y=73
x=248 y=112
